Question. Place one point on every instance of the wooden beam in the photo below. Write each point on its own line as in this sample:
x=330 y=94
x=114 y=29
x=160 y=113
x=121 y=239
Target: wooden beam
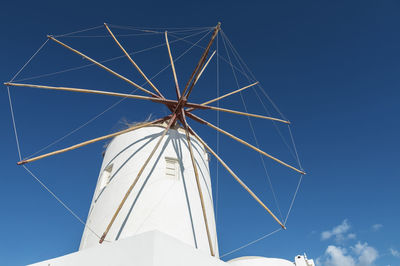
x=229 y=94
x=237 y=178
x=177 y=90
x=169 y=103
x=204 y=67
x=103 y=67
x=124 y=95
x=200 y=195
x=200 y=63
x=198 y=185
x=243 y=113
x=136 y=179
x=133 y=62
x=244 y=142
x=203 y=106
x=223 y=96
x=91 y=141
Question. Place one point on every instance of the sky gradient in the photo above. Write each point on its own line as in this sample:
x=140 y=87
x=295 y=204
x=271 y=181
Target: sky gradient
x=331 y=67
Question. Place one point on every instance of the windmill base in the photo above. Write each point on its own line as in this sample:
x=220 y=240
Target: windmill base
x=155 y=249
x=148 y=249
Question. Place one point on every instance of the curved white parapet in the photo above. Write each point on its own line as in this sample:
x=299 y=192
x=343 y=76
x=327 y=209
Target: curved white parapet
x=262 y=261
x=259 y=261
x=165 y=198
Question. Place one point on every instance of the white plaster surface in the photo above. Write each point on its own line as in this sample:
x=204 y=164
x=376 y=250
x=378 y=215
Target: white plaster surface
x=147 y=249
x=157 y=249
x=158 y=201
x=259 y=261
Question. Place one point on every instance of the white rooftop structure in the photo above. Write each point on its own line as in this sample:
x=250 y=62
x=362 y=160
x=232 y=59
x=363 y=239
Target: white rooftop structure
x=158 y=249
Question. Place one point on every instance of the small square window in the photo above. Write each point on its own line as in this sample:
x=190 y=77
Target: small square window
x=171 y=168
x=106 y=176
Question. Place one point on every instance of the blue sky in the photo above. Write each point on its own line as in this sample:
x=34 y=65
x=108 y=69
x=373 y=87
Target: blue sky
x=331 y=67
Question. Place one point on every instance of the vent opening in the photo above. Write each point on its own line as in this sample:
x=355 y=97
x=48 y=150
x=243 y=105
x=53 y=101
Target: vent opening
x=171 y=168
x=106 y=176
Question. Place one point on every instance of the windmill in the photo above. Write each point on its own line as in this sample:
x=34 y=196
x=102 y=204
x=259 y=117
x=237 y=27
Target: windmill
x=181 y=110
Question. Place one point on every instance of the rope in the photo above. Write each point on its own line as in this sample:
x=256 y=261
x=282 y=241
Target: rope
x=294 y=197
x=30 y=59
x=35 y=177
x=13 y=121
x=252 y=75
x=294 y=146
x=80 y=127
x=113 y=105
x=154 y=28
x=146 y=32
x=251 y=243
x=289 y=128
x=294 y=154
x=116 y=35
x=262 y=103
x=60 y=201
x=275 y=125
x=301 y=176
x=219 y=56
x=110 y=59
x=254 y=134
x=79 y=31
x=10 y=102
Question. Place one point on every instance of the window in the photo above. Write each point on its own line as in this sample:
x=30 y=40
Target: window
x=171 y=168
x=106 y=176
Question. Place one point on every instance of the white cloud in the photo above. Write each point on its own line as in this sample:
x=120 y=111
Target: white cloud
x=361 y=255
x=337 y=256
x=394 y=252
x=338 y=232
x=342 y=254
x=351 y=236
x=366 y=254
x=376 y=227
x=358 y=248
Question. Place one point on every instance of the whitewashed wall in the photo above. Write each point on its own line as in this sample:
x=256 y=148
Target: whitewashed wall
x=159 y=201
x=260 y=261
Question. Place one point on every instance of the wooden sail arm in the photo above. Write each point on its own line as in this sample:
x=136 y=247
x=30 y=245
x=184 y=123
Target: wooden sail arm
x=133 y=62
x=137 y=178
x=103 y=67
x=183 y=97
x=177 y=90
x=230 y=93
x=235 y=112
x=196 y=173
x=224 y=96
x=92 y=141
x=204 y=67
x=200 y=120
x=124 y=95
x=245 y=114
x=237 y=178
x=196 y=72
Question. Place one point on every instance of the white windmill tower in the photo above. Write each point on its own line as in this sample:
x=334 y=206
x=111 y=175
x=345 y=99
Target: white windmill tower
x=165 y=197
x=155 y=177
